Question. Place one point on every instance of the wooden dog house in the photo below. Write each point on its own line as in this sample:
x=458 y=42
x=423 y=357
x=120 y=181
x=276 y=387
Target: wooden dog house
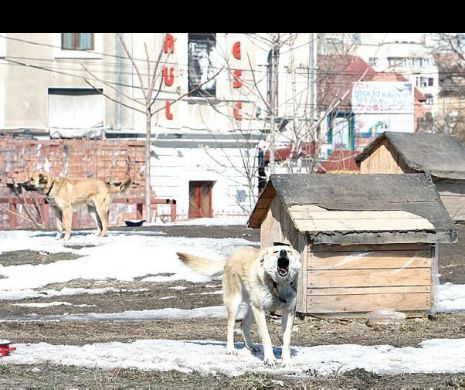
x=440 y=155
x=367 y=241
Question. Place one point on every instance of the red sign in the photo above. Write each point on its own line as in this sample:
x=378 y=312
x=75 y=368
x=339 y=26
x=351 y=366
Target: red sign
x=168 y=76
x=237 y=111
x=168 y=73
x=168 y=112
x=237 y=82
x=169 y=44
x=237 y=73
x=236 y=50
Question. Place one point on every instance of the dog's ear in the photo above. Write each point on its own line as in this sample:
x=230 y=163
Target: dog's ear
x=43 y=179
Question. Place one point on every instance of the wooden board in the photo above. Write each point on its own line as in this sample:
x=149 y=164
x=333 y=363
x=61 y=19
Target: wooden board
x=312 y=213
x=364 y=260
x=368 y=290
x=369 y=278
x=382 y=160
x=455 y=205
x=362 y=278
x=368 y=303
x=302 y=246
x=368 y=247
x=355 y=221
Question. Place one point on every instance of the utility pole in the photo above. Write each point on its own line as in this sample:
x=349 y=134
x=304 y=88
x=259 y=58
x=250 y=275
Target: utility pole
x=273 y=103
x=312 y=59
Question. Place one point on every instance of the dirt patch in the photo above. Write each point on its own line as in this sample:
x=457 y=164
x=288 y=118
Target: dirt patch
x=139 y=295
x=33 y=257
x=63 y=377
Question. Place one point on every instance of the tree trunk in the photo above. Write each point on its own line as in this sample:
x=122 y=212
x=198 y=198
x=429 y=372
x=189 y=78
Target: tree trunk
x=148 y=205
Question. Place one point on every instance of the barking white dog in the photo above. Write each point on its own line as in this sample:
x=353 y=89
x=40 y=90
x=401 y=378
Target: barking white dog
x=264 y=279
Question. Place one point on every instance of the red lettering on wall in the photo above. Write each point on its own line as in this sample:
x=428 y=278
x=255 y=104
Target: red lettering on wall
x=237 y=73
x=169 y=44
x=236 y=50
x=168 y=113
x=237 y=111
x=168 y=76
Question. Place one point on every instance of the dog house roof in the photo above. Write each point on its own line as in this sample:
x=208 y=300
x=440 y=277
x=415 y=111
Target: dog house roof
x=344 y=208
x=440 y=155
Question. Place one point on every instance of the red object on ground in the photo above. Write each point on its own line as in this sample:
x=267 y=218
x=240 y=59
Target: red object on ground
x=5 y=348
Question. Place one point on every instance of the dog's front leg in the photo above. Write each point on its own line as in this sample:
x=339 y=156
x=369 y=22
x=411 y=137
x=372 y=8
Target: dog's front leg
x=260 y=318
x=287 y=322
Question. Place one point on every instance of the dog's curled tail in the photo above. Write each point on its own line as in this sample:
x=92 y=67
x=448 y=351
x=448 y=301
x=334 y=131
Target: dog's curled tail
x=212 y=268
x=120 y=187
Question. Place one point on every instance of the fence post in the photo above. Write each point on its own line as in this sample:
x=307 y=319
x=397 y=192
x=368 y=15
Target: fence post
x=173 y=210
x=13 y=217
x=45 y=214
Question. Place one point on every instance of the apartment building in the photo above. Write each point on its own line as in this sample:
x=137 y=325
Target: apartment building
x=409 y=54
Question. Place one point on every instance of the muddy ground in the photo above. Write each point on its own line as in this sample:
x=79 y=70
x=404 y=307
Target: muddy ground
x=137 y=295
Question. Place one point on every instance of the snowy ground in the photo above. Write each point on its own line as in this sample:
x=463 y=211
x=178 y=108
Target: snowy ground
x=127 y=255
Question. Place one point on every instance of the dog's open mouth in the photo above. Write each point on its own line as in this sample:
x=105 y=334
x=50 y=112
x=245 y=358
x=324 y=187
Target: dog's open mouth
x=283 y=266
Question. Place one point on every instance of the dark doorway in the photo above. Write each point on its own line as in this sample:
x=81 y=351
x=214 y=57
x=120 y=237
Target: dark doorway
x=200 y=199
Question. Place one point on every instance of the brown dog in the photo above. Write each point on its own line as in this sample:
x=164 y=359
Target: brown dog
x=68 y=195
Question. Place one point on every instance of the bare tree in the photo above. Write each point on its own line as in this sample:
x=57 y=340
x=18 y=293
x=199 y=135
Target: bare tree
x=295 y=113
x=301 y=129
x=150 y=84
x=449 y=55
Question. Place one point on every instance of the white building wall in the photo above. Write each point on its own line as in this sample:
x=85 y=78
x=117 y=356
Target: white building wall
x=34 y=63
x=173 y=168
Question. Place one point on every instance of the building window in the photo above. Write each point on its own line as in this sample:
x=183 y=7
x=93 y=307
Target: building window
x=241 y=196
x=203 y=64
x=425 y=81
x=396 y=61
x=429 y=99
x=425 y=62
x=356 y=38
x=373 y=61
x=77 y=41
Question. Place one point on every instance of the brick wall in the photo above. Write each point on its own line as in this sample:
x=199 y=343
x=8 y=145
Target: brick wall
x=109 y=160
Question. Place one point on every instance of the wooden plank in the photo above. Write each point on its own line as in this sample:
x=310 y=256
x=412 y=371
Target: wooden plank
x=370 y=277
x=305 y=208
x=368 y=303
x=347 y=215
x=351 y=225
x=13 y=216
x=455 y=205
x=270 y=230
x=351 y=315
x=360 y=260
x=366 y=248
x=365 y=238
x=381 y=160
x=302 y=283
x=368 y=290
